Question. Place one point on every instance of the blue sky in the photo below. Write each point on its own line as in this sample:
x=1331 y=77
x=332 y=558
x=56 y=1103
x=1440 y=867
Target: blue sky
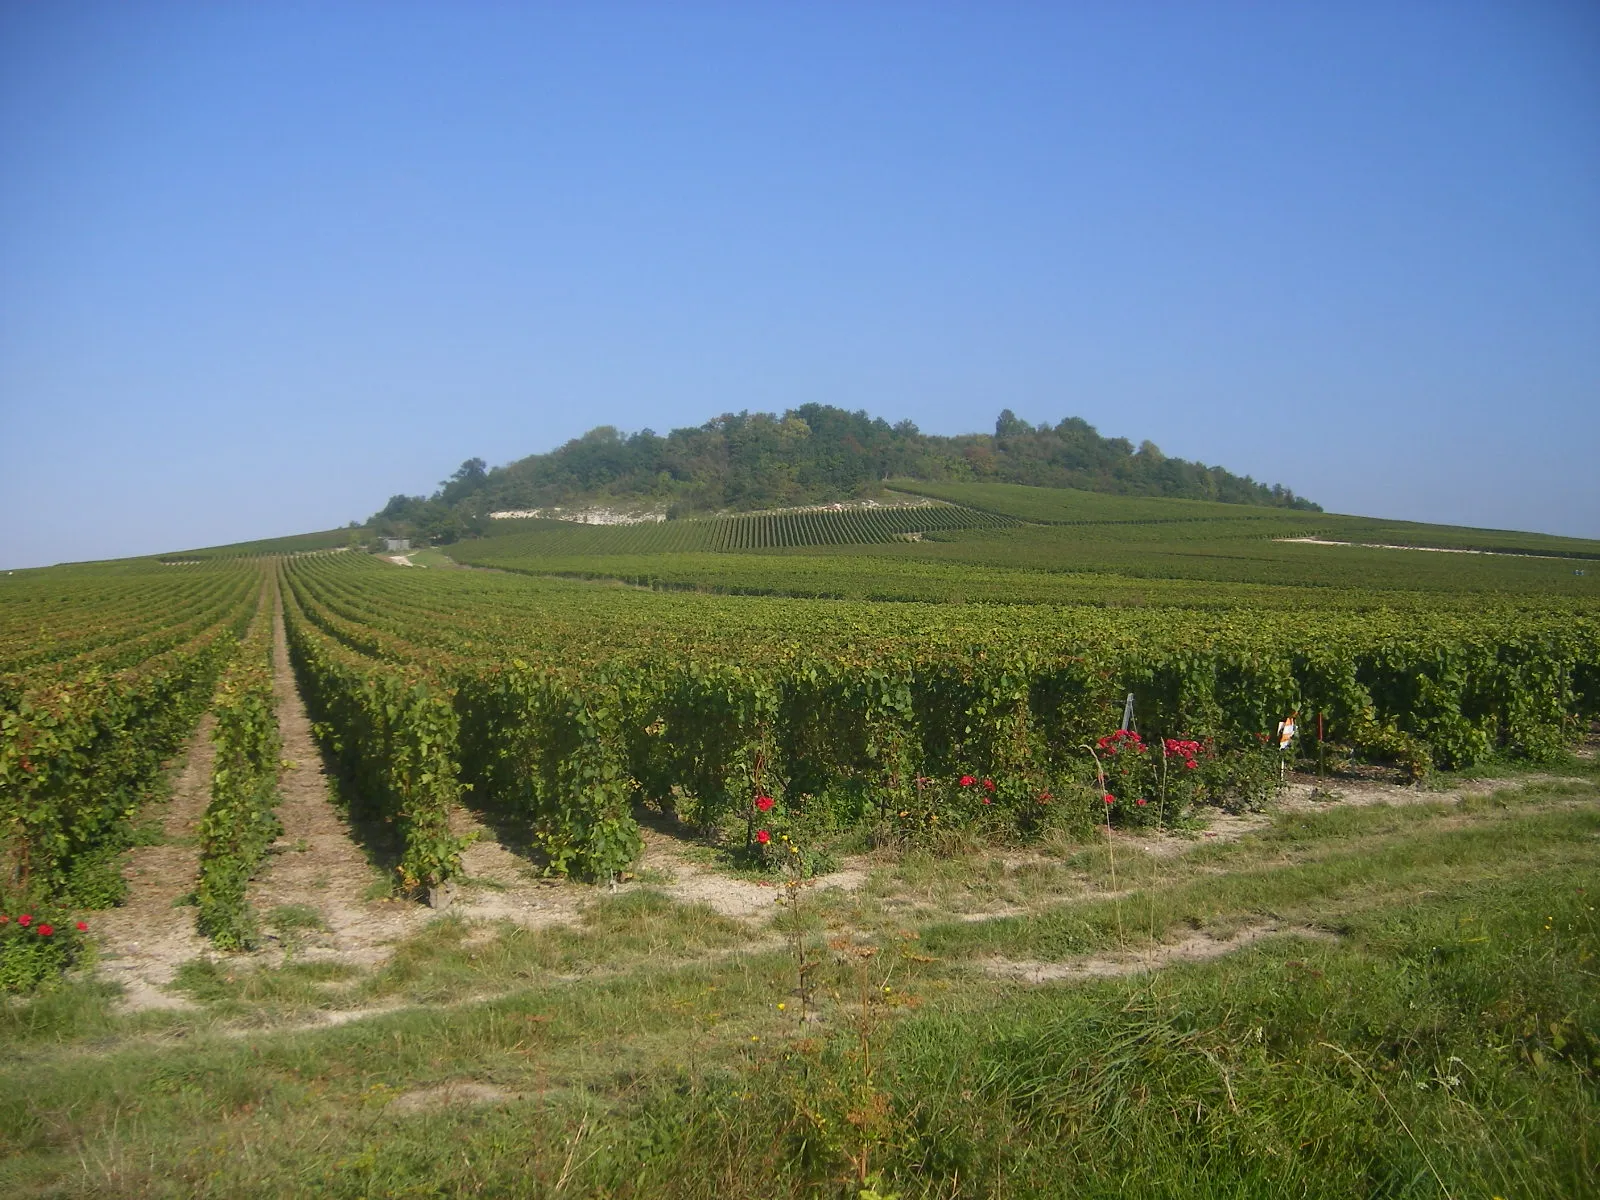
x=263 y=265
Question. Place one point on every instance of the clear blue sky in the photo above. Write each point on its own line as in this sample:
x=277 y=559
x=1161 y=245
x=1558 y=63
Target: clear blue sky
x=263 y=265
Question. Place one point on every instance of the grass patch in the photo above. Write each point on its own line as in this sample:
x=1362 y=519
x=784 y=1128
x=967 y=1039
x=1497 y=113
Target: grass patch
x=63 y=1011
x=1448 y=1048
x=296 y=918
x=235 y=989
x=1447 y=1044
x=1396 y=857
x=451 y=958
x=1420 y=1058
x=148 y=832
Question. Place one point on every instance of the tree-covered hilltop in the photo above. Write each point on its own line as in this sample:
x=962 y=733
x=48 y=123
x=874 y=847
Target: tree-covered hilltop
x=811 y=454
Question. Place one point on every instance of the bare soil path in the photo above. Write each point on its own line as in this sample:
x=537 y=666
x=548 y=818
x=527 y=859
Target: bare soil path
x=1303 y=795
x=316 y=864
x=1316 y=541
x=142 y=942
x=1197 y=947
x=501 y=885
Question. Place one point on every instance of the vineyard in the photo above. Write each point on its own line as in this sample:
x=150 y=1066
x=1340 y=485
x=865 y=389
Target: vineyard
x=571 y=706
x=104 y=675
x=1041 y=545
x=1067 y=506
x=839 y=526
x=914 y=746
x=575 y=704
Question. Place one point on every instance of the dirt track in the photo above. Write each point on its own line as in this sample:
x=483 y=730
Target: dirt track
x=142 y=943
x=316 y=864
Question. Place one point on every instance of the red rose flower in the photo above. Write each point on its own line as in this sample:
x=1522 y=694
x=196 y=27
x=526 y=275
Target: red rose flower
x=25 y=919
x=967 y=781
x=988 y=785
x=1190 y=765
x=4 y=920
x=763 y=837
x=764 y=803
x=46 y=930
x=83 y=927
x=1110 y=799
x=1140 y=803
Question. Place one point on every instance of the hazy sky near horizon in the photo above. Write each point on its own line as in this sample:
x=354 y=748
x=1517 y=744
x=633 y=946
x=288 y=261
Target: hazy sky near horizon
x=263 y=265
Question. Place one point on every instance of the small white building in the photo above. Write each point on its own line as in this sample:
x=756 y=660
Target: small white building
x=393 y=545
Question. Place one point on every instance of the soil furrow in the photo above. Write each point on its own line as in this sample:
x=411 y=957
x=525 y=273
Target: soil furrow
x=142 y=942
x=316 y=864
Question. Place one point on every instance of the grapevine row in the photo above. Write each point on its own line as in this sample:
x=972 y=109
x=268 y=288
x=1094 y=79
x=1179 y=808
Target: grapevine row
x=240 y=822
x=393 y=730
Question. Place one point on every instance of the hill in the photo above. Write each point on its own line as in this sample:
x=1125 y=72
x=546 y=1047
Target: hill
x=812 y=454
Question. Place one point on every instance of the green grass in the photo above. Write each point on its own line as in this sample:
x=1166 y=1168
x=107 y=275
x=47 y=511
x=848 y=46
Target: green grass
x=431 y=556
x=296 y=918
x=633 y=929
x=237 y=991
x=1447 y=1042
x=1313 y=883
x=1446 y=1047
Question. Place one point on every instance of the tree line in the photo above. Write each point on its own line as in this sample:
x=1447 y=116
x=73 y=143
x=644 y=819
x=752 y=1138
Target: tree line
x=811 y=454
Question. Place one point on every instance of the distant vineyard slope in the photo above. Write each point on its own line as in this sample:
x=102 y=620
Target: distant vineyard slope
x=300 y=543
x=1070 y=506
x=830 y=525
x=1025 y=545
x=745 y=462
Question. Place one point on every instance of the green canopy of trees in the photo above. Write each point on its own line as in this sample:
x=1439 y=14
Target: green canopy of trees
x=811 y=454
